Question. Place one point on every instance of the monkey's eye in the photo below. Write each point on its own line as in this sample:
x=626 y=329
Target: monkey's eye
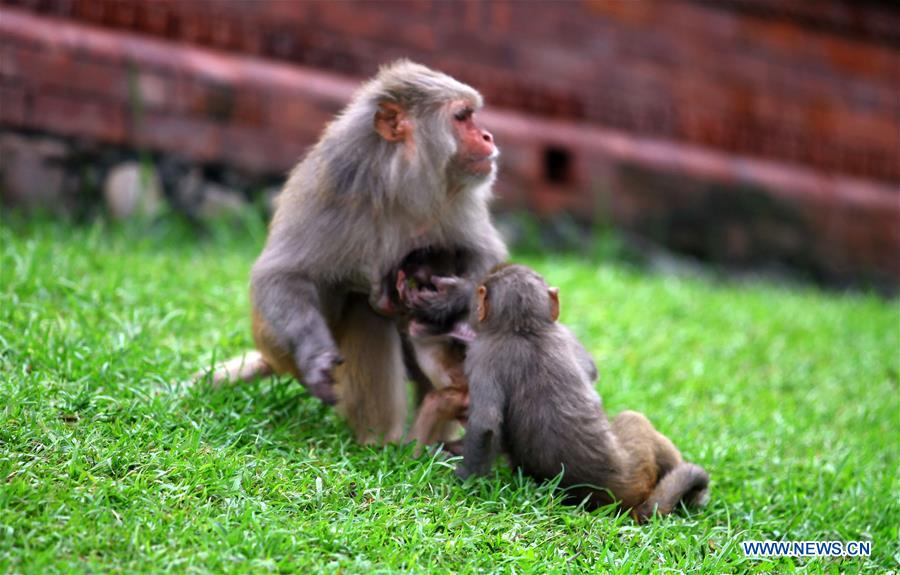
x=463 y=114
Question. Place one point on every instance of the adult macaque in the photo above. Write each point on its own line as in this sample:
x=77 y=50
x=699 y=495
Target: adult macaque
x=531 y=395
x=405 y=166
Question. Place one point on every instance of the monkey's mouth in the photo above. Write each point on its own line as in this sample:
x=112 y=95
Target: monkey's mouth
x=484 y=164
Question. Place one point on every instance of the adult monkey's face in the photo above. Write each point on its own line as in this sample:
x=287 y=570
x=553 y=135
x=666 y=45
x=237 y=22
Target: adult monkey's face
x=476 y=152
x=475 y=155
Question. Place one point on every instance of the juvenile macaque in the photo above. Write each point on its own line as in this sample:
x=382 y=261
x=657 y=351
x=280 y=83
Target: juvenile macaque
x=531 y=396
x=405 y=166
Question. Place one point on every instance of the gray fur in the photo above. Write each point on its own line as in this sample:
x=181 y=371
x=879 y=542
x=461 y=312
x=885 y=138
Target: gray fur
x=531 y=395
x=352 y=209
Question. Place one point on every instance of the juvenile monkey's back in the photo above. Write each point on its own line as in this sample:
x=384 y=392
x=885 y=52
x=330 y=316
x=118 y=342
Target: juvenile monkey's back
x=553 y=418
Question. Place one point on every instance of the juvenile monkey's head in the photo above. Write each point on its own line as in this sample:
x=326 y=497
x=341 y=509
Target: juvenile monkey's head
x=515 y=298
x=431 y=115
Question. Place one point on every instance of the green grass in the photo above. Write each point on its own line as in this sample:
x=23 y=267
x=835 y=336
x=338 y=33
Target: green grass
x=788 y=397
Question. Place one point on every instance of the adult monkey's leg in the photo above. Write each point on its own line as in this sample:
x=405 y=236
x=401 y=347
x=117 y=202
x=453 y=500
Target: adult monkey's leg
x=371 y=383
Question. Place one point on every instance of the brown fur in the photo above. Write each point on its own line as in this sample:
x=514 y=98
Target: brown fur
x=277 y=358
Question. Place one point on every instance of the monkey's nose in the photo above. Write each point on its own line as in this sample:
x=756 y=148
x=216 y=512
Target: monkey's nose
x=487 y=136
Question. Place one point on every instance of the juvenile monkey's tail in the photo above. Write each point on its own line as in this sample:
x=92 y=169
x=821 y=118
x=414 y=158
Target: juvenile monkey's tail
x=687 y=483
x=244 y=367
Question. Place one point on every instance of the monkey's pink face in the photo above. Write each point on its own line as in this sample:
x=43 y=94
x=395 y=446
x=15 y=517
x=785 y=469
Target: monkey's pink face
x=477 y=152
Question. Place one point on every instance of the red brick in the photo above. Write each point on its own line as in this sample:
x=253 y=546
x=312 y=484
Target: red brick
x=89 y=10
x=259 y=150
x=248 y=107
x=12 y=105
x=194 y=138
x=62 y=72
x=155 y=19
x=123 y=14
x=76 y=116
x=224 y=33
x=196 y=27
x=10 y=63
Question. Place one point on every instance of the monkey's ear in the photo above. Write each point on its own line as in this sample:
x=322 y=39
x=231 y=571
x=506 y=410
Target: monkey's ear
x=482 y=303
x=554 y=303
x=391 y=123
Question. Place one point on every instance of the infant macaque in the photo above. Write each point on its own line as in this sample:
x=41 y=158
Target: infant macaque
x=532 y=397
x=432 y=304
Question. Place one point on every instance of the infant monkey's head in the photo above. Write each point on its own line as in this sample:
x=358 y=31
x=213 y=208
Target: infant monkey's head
x=427 y=290
x=514 y=297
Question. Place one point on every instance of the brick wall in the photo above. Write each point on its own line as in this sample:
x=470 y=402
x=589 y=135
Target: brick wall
x=650 y=113
x=784 y=80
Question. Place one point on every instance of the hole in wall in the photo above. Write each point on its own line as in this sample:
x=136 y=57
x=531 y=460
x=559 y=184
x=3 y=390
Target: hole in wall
x=558 y=165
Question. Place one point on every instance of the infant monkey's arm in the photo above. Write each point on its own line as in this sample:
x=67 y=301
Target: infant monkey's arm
x=444 y=305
